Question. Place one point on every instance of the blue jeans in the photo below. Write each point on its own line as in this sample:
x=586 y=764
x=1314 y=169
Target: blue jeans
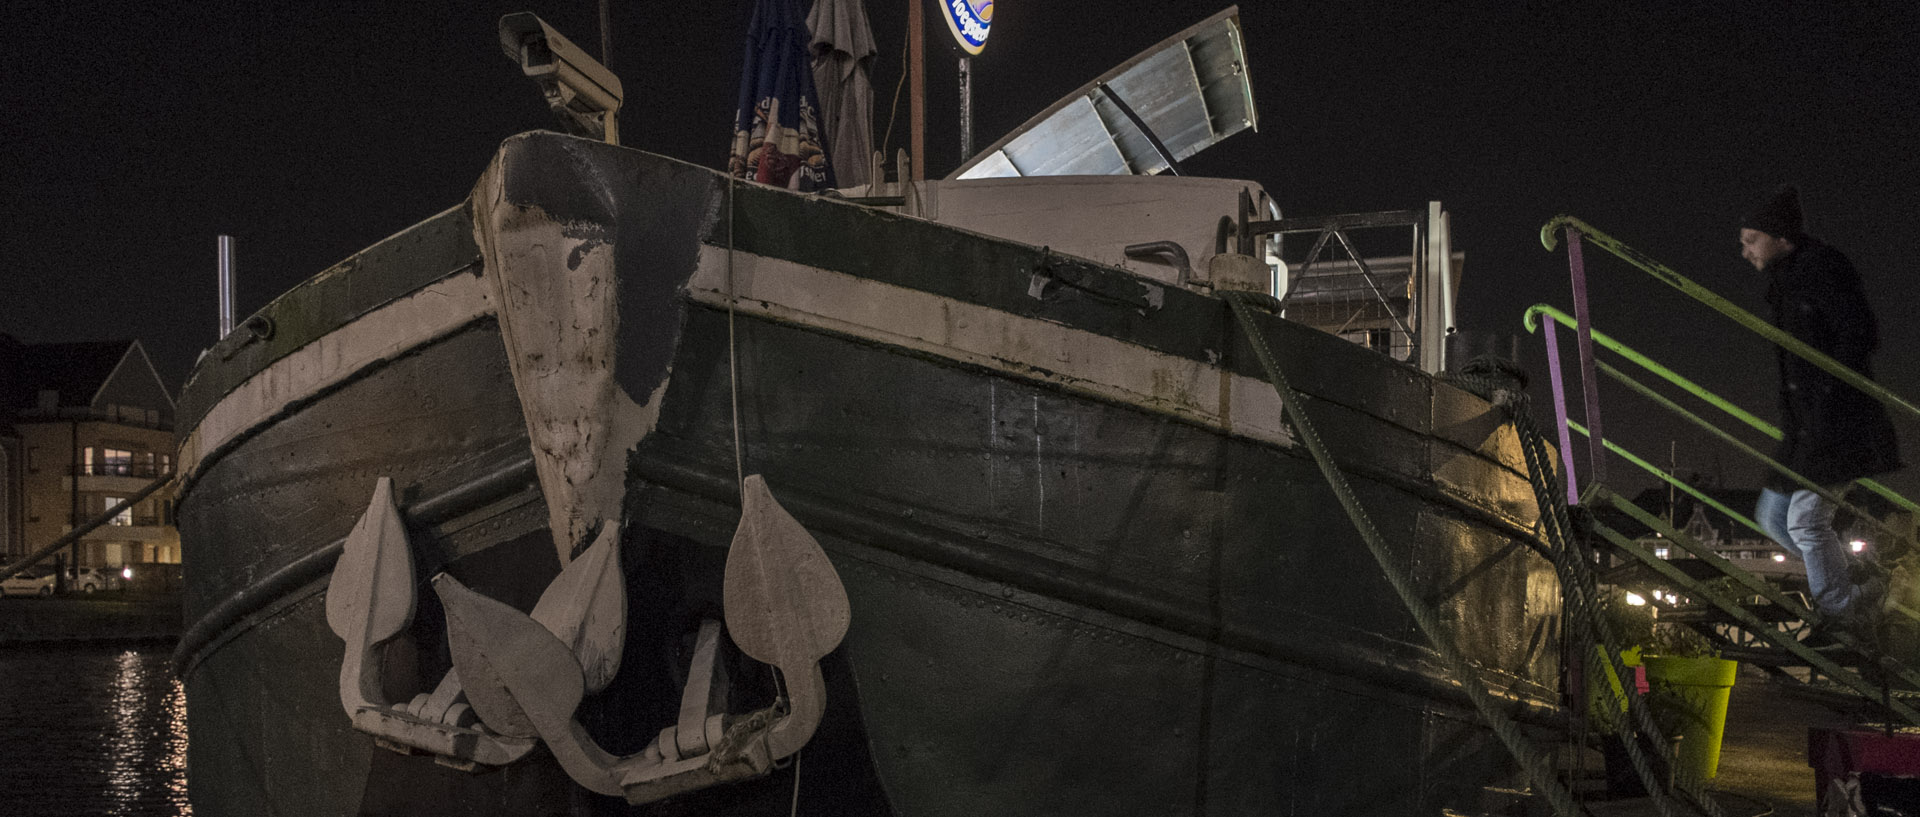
x=1802 y=524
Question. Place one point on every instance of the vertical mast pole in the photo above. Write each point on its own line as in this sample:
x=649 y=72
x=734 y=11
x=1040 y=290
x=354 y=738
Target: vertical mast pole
x=606 y=34
x=225 y=248
x=917 y=96
x=966 y=107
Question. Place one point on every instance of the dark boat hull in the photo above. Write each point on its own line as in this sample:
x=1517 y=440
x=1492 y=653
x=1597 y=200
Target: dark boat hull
x=1062 y=603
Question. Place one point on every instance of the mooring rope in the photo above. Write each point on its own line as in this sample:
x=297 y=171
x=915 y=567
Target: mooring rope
x=1576 y=561
x=1537 y=767
x=733 y=360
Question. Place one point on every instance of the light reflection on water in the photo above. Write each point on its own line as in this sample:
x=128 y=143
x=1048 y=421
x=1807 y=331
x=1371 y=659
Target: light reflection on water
x=88 y=730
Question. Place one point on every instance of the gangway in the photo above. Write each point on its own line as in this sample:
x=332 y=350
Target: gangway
x=1748 y=617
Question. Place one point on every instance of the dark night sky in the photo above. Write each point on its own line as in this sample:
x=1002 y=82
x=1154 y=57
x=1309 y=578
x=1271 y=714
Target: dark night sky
x=134 y=134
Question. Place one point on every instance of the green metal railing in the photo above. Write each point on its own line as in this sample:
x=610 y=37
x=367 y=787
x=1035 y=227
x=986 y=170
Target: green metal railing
x=1532 y=317
x=1725 y=307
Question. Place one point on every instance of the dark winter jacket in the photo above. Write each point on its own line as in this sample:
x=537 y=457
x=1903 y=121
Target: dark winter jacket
x=1832 y=432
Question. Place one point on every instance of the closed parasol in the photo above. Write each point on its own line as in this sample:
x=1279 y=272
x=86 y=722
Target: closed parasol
x=776 y=130
x=842 y=55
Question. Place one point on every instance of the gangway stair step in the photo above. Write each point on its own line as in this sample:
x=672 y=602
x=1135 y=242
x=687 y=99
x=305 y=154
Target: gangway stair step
x=1871 y=713
x=1709 y=614
x=1634 y=572
x=1774 y=658
x=1755 y=606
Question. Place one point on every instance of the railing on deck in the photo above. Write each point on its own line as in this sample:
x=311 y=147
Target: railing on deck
x=1401 y=305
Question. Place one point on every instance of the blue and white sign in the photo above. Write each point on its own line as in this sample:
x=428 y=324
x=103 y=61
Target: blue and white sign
x=969 y=21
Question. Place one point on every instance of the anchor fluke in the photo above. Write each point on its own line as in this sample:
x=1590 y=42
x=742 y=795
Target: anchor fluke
x=522 y=680
x=370 y=598
x=586 y=608
x=785 y=606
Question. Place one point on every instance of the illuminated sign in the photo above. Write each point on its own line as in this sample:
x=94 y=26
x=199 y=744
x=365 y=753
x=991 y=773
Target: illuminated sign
x=969 y=21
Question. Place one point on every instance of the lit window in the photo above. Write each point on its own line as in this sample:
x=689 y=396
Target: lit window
x=1858 y=545
x=1635 y=599
x=106 y=461
x=1660 y=553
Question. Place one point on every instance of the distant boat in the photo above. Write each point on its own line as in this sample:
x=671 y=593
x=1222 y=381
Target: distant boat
x=1025 y=532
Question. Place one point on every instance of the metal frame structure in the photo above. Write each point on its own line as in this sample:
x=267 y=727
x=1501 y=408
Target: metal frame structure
x=1420 y=318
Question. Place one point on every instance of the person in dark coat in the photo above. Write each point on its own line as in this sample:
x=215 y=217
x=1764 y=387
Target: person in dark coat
x=1832 y=433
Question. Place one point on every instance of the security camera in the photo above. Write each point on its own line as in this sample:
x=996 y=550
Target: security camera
x=584 y=94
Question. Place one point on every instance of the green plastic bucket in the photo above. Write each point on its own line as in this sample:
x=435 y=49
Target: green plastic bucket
x=1690 y=697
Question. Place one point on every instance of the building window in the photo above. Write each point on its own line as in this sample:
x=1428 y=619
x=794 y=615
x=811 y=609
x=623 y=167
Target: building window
x=1660 y=553
x=124 y=517
x=106 y=462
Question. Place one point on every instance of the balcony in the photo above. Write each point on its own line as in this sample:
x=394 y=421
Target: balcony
x=143 y=470
x=125 y=520
x=120 y=415
x=138 y=527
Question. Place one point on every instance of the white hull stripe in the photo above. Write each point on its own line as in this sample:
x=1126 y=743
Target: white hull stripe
x=1022 y=347
x=1028 y=348
x=382 y=334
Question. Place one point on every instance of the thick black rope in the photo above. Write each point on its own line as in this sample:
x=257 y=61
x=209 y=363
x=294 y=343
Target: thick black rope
x=1574 y=560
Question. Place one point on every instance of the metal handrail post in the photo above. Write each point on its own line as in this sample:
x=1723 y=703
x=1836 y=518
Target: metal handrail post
x=1560 y=418
x=1589 y=383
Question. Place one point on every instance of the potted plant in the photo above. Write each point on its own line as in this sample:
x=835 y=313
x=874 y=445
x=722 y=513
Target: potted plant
x=1686 y=686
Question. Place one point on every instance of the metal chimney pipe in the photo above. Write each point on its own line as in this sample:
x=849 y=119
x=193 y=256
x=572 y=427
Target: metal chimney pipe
x=226 y=285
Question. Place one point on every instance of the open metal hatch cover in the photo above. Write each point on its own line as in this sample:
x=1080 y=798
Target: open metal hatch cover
x=1192 y=90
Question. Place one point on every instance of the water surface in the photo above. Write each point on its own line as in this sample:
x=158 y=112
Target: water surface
x=91 y=730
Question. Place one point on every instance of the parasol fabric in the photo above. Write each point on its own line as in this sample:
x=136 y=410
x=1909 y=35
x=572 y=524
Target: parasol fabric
x=842 y=63
x=776 y=129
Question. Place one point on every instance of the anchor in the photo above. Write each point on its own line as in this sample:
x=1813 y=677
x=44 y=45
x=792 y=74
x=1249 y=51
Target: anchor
x=784 y=606
x=371 y=599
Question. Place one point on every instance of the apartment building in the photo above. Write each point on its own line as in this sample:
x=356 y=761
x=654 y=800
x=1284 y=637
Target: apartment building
x=84 y=426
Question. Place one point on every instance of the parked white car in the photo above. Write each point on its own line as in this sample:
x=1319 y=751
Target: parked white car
x=92 y=579
x=33 y=582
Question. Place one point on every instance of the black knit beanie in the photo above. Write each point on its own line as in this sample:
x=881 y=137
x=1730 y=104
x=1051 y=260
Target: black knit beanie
x=1779 y=216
